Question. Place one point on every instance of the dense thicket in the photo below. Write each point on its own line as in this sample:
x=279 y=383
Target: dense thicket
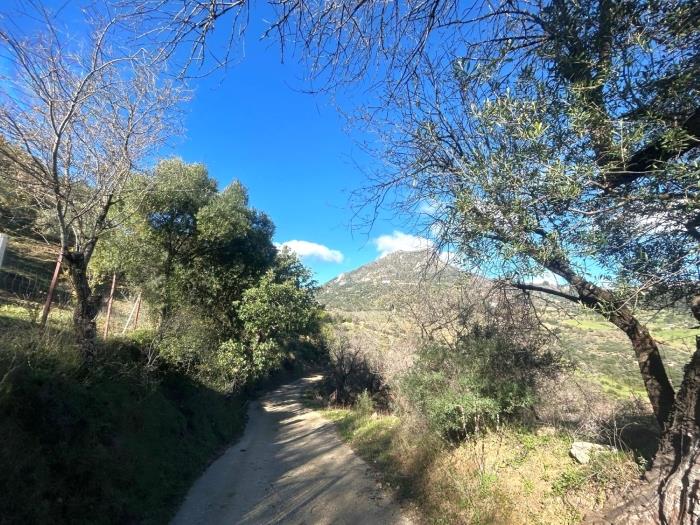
x=227 y=304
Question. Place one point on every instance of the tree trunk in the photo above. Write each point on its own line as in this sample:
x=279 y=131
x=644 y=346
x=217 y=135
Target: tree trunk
x=670 y=491
x=87 y=305
x=656 y=380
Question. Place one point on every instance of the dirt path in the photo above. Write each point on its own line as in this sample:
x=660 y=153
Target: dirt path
x=289 y=467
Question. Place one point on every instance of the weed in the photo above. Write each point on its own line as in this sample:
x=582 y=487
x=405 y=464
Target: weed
x=512 y=476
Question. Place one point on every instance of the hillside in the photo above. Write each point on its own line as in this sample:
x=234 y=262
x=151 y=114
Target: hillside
x=381 y=283
x=387 y=298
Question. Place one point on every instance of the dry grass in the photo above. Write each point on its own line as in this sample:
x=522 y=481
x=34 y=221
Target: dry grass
x=600 y=351
x=510 y=476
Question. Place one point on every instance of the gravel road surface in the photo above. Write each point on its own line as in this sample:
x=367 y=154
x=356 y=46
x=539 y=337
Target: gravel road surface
x=289 y=467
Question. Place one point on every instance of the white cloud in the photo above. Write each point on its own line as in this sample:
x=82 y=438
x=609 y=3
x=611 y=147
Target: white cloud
x=401 y=242
x=546 y=278
x=313 y=250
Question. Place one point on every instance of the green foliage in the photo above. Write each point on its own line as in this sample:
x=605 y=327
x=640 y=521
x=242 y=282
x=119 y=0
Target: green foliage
x=186 y=340
x=122 y=440
x=364 y=404
x=485 y=378
x=234 y=364
x=229 y=303
x=273 y=314
x=452 y=405
x=112 y=444
x=277 y=310
x=225 y=216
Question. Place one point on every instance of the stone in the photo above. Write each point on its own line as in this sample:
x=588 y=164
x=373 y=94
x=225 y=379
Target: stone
x=582 y=451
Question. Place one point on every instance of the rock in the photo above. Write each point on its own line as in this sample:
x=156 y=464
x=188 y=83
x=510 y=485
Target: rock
x=582 y=451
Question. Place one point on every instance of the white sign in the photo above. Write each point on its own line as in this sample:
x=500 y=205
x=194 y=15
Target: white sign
x=3 y=244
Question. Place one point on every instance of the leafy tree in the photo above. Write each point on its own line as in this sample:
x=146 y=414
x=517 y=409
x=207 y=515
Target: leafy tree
x=230 y=303
x=275 y=313
x=158 y=231
x=185 y=243
x=167 y=220
x=277 y=310
x=235 y=249
x=564 y=137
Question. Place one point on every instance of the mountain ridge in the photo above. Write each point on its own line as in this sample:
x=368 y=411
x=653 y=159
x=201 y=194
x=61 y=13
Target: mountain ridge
x=375 y=285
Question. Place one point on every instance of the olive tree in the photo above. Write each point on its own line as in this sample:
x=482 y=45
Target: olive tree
x=544 y=135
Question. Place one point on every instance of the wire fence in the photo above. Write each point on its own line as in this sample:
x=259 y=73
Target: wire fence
x=31 y=287
x=25 y=282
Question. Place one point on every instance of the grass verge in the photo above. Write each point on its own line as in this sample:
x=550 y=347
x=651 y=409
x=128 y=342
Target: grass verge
x=110 y=445
x=513 y=476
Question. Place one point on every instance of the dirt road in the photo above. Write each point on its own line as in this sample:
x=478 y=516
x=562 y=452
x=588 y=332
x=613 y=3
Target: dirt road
x=289 y=467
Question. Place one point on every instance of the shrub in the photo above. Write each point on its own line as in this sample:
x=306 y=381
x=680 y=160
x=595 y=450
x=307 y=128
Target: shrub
x=445 y=392
x=237 y=363
x=364 y=405
x=350 y=373
x=485 y=377
x=108 y=444
x=185 y=339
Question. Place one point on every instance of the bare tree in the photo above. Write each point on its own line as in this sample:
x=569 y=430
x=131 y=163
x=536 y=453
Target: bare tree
x=85 y=112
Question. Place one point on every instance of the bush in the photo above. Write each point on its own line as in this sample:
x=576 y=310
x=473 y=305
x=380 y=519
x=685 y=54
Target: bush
x=350 y=373
x=485 y=377
x=185 y=340
x=236 y=364
x=364 y=405
x=109 y=444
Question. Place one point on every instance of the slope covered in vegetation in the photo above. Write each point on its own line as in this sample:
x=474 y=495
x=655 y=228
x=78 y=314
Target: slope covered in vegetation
x=390 y=299
x=469 y=402
x=120 y=436
x=115 y=444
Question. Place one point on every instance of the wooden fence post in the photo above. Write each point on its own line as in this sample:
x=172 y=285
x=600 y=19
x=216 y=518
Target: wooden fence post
x=137 y=303
x=138 y=311
x=109 y=304
x=52 y=287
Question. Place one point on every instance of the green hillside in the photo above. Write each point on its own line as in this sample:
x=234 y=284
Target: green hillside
x=384 y=283
x=384 y=298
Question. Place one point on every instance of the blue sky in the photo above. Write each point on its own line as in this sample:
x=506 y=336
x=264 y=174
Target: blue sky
x=292 y=151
